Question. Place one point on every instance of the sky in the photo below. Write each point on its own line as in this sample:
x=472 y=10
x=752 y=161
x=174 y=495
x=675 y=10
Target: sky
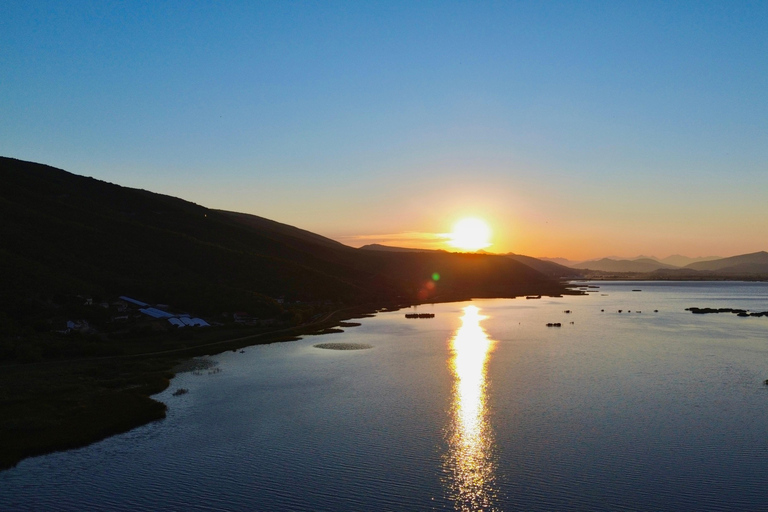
x=574 y=129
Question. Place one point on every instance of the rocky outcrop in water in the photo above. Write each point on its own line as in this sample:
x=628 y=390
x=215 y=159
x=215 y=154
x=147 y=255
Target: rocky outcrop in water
x=739 y=312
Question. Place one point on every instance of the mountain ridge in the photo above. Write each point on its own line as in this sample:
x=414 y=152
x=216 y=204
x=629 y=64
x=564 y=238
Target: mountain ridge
x=92 y=237
x=756 y=262
x=548 y=268
x=611 y=265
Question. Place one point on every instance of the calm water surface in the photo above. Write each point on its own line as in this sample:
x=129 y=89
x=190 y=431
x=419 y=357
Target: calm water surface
x=481 y=408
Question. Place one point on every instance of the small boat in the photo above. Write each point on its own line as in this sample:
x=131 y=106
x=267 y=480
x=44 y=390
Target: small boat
x=533 y=296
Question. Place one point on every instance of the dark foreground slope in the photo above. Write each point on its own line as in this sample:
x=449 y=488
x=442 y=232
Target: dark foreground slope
x=70 y=240
x=71 y=234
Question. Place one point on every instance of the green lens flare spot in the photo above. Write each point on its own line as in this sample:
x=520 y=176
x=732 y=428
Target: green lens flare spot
x=435 y=276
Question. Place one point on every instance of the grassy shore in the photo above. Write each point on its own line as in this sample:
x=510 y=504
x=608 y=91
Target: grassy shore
x=58 y=405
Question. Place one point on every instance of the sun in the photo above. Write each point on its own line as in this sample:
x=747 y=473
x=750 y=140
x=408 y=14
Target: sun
x=470 y=234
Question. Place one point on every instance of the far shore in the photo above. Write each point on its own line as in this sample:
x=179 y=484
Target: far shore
x=634 y=276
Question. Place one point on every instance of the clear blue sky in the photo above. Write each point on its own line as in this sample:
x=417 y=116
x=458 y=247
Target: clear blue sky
x=576 y=129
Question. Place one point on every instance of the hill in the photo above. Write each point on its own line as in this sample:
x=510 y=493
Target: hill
x=280 y=229
x=560 y=261
x=643 y=265
x=548 y=268
x=753 y=263
x=68 y=235
x=391 y=248
x=678 y=260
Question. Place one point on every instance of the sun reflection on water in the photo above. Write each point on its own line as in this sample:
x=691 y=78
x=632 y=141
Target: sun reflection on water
x=470 y=463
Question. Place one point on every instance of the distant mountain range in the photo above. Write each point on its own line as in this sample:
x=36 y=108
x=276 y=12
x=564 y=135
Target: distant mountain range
x=754 y=263
x=746 y=265
x=611 y=265
x=678 y=260
x=675 y=260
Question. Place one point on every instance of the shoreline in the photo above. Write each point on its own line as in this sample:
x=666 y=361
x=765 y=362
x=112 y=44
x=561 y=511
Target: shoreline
x=88 y=400
x=53 y=406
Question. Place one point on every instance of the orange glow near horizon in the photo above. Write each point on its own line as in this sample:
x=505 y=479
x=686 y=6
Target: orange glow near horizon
x=470 y=234
x=519 y=233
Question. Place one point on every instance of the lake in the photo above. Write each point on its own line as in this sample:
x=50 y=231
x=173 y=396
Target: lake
x=482 y=407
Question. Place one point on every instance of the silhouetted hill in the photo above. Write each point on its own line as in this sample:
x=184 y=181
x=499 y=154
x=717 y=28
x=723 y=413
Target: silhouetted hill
x=68 y=234
x=610 y=265
x=560 y=261
x=678 y=260
x=548 y=268
x=753 y=263
x=283 y=230
x=71 y=234
x=390 y=248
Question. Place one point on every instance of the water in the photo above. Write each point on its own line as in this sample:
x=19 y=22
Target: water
x=481 y=408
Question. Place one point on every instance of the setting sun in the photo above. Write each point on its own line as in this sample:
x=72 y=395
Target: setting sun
x=470 y=234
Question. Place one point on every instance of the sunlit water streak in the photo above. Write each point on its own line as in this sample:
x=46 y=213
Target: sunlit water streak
x=470 y=462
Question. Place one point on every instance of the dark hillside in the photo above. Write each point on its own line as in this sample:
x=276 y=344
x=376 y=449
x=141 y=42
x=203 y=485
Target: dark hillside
x=390 y=248
x=753 y=263
x=548 y=268
x=284 y=231
x=67 y=233
x=461 y=275
x=71 y=234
